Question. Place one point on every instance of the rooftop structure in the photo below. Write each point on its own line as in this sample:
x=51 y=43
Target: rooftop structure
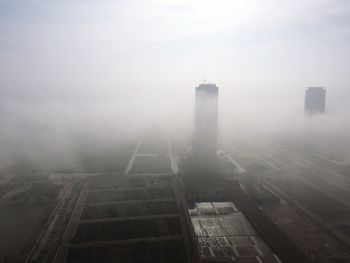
x=223 y=232
x=127 y=219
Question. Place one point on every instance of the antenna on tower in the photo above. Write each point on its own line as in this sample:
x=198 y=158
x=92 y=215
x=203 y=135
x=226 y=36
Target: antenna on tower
x=205 y=79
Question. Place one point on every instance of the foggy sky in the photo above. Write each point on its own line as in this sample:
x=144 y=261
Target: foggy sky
x=114 y=67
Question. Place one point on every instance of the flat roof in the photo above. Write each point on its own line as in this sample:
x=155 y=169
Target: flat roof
x=224 y=233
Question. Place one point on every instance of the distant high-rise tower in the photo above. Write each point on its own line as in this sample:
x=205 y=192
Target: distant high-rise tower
x=315 y=100
x=206 y=125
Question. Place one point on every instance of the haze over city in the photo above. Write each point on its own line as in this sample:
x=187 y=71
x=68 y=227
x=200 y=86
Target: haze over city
x=64 y=64
x=208 y=102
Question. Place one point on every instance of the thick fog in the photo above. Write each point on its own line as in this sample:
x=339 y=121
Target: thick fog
x=105 y=71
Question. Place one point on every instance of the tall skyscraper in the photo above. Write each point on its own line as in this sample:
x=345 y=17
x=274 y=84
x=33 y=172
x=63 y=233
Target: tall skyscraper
x=206 y=126
x=315 y=100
